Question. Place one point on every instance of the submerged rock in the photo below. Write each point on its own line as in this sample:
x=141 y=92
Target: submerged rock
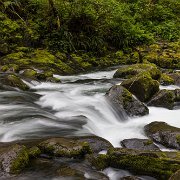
x=164 y=134
x=14 y=81
x=136 y=69
x=65 y=147
x=123 y=100
x=155 y=164
x=139 y=144
x=142 y=86
x=13 y=159
x=68 y=172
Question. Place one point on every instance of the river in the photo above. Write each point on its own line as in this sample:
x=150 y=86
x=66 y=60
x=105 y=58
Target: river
x=75 y=107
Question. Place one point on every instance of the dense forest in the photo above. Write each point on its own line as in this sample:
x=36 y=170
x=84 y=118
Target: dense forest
x=92 y=33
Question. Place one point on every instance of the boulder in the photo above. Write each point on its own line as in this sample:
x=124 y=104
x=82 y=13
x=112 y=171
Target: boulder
x=155 y=164
x=164 y=98
x=14 y=81
x=65 y=147
x=166 y=80
x=139 y=144
x=29 y=73
x=164 y=134
x=96 y=143
x=123 y=100
x=176 y=77
x=142 y=86
x=136 y=69
x=13 y=159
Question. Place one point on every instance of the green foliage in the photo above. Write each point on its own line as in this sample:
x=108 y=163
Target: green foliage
x=88 y=25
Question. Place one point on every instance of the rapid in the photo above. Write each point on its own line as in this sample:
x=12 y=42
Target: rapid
x=75 y=107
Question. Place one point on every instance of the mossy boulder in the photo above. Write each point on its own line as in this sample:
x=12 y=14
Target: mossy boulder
x=164 y=98
x=163 y=133
x=139 y=144
x=13 y=159
x=143 y=162
x=166 y=80
x=65 y=147
x=142 y=86
x=123 y=100
x=176 y=77
x=14 y=81
x=99 y=161
x=34 y=152
x=29 y=73
x=13 y=68
x=136 y=69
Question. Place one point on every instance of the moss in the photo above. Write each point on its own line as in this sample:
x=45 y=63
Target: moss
x=20 y=161
x=166 y=80
x=142 y=86
x=34 y=152
x=82 y=62
x=53 y=80
x=15 y=81
x=164 y=98
x=160 y=126
x=142 y=163
x=29 y=73
x=65 y=147
x=137 y=69
x=100 y=161
x=178 y=139
x=148 y=142
x=10 y=68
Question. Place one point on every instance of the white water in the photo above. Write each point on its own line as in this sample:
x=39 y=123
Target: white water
x=82 y=103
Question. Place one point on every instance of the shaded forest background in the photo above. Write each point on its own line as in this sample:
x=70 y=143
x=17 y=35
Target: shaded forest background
x=96 y=26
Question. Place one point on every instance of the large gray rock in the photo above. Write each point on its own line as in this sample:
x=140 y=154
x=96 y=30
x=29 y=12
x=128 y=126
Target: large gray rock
x=164 y=134
x=139 y=144
x=123 y=100
x=164 y=98
x=13 y=159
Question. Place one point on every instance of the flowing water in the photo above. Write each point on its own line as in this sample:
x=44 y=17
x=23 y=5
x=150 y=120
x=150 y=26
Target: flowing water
x=75 y=107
